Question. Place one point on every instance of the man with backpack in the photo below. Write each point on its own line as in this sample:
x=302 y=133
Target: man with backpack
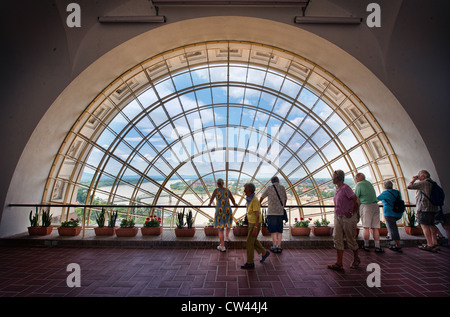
x=429 y=199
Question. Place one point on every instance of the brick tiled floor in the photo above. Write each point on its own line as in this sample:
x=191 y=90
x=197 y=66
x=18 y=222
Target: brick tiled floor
x=205 y=272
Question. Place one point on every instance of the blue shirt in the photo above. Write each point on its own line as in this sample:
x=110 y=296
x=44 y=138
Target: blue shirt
x=388 y=198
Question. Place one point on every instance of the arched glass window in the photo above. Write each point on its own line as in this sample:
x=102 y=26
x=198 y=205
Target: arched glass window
x=166 y=130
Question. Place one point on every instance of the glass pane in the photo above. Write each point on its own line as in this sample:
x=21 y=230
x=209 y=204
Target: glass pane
x=307 y=98
x=165 y=88
x=158 y=116
x=273 y=81
x=132 y=110
x=182 y=81
x=290 y=88
x=148 y=98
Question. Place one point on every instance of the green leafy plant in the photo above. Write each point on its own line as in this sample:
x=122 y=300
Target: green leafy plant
x=264 y=218
x=112 y=219
x=303 y=223
x=46 y=218
x=34 y=219
x=321 y=223
x=127 y=223
x=190 y=219
x=179 y=220
x=152 y=221
x=71 y=223
x=410 y=218
x=240 y=223
x=100 y=218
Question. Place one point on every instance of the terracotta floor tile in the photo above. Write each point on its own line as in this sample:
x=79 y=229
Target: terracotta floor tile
x=204 y=272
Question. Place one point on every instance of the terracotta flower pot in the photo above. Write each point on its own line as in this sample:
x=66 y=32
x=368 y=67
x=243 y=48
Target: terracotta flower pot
x=184 y=232
x=211 y=231
x=39 y=231
x=105 y=231
x=322 y=231
x=300 y=231
x=239 y=231
x=69 y=231
x=414 y=231
x=127 y=232
x=265 y=231
x=383 y=232
x=151 y=231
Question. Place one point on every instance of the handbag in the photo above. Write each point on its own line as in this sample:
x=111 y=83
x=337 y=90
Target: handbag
x=285 y=217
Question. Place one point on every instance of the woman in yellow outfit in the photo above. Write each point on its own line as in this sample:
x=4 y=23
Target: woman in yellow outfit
x=223 y=216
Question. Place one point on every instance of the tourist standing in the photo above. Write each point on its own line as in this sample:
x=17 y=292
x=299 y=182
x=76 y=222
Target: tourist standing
x=369 y=211
x=276 y=200
x=345 y=220
x=388 y=197
x=426 y=211
x=223 y=216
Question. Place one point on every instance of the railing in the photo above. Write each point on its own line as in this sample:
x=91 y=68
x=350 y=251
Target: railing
x=162 y=207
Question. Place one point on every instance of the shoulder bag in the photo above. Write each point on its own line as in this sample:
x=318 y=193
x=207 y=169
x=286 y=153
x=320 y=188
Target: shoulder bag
x=285 y=217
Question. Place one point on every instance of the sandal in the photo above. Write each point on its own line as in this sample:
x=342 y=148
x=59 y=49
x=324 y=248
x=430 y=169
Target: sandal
x=336 y=267
x=394 y=248
x=426 y=247
x=355 y=264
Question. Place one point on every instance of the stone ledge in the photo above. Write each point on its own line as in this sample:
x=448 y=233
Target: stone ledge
x=168 y=240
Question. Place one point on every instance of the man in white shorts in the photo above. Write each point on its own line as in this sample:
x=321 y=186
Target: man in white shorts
x=369 y=211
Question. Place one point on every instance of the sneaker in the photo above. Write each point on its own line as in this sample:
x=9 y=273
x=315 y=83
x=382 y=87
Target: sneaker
x=279 y=249
x=220 y=248
x=247 y=266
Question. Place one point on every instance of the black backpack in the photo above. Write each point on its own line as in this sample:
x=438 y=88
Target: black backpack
x=437 y=195
x=399 y=204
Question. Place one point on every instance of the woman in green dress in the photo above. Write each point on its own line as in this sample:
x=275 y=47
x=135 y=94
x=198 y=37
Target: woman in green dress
x=223 y=216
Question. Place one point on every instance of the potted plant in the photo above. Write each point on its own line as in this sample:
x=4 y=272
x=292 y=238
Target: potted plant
x=301 y=228
x=240 y=229
x=35 y=229
x=210 y=230
x=383 y=229
x=101 y=230
x=70 y=228
x=181 y=230
x=321 y=228
x=264 y=226
x=152 y=226
x=127 y=229
x=410 y=224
